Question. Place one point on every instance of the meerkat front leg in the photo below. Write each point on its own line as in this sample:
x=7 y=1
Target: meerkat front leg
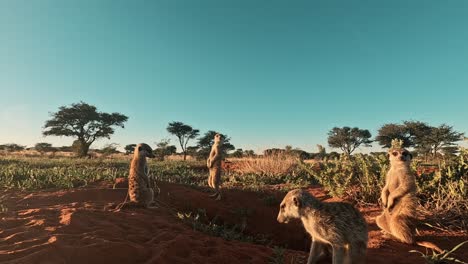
x=316 y=252
x=384 y=196
x=338 y=254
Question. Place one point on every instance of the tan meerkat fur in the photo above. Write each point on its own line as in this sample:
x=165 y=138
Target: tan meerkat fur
x=337 y=225
x=214 y=165
x=399 y=200
x=139 y=189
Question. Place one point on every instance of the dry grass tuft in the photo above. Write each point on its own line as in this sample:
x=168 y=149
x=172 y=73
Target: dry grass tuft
x=276 y=164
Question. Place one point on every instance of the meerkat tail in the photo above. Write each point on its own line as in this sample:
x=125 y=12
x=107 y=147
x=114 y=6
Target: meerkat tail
x=121 y=205
x=430 y=245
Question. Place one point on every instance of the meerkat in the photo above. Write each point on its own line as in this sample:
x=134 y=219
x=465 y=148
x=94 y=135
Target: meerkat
x=139 y=189
x=399 y=199
x=214 y=165
x=336 y=225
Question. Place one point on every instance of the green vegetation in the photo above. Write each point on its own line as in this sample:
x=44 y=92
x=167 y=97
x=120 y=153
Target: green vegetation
x=278 y=256
x=359 y=178
x=200 y=222
x=444 y=257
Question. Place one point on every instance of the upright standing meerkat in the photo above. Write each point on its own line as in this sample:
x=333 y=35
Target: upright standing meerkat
x=139 y=189
x=399 y=199
x=214 y=165
x=337 y=225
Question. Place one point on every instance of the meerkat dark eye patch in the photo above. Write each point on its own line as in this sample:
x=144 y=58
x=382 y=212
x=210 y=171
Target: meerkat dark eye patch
x=405 y=153
x=395 y=153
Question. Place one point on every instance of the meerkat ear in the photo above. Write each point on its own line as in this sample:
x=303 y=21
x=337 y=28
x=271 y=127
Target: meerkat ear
x=297 y=202
x=410 y=156
x=139 y=148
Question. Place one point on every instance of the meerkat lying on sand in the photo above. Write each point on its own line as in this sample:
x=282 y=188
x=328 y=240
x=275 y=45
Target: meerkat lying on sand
x=337 y=225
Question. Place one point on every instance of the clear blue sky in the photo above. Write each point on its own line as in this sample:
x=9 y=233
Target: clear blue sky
x=267 y=73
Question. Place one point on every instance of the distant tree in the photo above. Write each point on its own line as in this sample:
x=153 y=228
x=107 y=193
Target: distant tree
x=109 y=149
x=249 y=153
x=238 y=153
x=348 y=139
x=44 y=147
x=65 y=148
x=388 y=132
x=129 y=149
x=273 y=151
x=85 y=123
x=206 y=141
x=450 y=151
x=418 y=132
x=333 y=155
x=441 y=137
x=12 y=147
x=192 y=151
x=322 y=153
x=424 y=138
x=184 y=133
x=163 y=149
x=301 y=154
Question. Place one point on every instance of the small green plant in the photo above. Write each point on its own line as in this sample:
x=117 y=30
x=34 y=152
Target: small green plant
x=439 y=258
x=200 y=222
x=278 y=256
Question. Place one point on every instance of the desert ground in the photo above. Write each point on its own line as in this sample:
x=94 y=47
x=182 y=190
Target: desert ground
x=80 y=225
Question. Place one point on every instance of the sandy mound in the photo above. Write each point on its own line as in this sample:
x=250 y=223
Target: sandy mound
x=78 y=226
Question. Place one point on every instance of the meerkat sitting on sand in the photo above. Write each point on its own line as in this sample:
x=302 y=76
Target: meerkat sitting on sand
x=337 y=225
x=399 y=198
x=214 y=165
x=139 y=189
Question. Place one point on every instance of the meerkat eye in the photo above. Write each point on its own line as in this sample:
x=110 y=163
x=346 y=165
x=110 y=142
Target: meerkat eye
x=395 y=153
x=283 y=206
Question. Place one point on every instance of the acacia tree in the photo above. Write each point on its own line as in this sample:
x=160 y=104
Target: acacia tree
x=442 y=137
x=129 y=149
x=348 y=139
x=424 y=138
x=83 y=122
x=44 y=147
x=206 y=142
x=391 y=131
x=184 y=133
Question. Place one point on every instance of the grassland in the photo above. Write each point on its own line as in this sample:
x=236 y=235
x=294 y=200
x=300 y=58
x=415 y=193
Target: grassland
x=442 y=189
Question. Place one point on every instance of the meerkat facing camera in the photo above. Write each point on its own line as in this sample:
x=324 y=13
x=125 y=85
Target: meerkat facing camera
x=139 y=189
x=337 y=225
x=399 y=200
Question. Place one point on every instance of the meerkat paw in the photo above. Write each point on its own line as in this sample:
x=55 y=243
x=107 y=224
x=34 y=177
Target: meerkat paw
x=218 y=198
x=213 y=194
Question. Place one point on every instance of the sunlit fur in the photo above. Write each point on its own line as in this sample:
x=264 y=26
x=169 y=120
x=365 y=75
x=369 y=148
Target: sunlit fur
x=399 y=198
x=139 y=189
x=214 y=166
x=336 y=225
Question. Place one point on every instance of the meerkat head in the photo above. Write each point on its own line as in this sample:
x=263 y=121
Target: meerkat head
x=218 y=138
x=144 y=150
x=291 y=205
x=400 y=156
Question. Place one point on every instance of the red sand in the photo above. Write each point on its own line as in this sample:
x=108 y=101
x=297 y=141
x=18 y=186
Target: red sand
x=78 y=226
